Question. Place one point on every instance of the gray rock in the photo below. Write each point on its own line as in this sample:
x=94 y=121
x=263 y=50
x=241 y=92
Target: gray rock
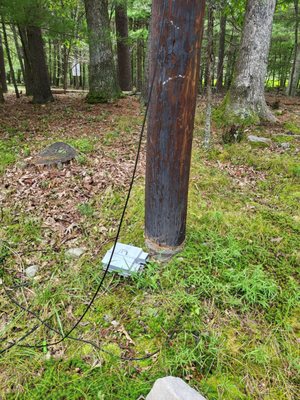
x=171 y=388
x=76 y=252
x=285 y=145
x=55 y=154
x=257 y=139
x=31 y=271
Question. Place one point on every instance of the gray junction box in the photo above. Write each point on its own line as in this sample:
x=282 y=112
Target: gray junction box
x=126 y=260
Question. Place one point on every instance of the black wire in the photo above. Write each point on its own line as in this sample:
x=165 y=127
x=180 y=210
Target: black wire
x=44 y=323
x=67 y=335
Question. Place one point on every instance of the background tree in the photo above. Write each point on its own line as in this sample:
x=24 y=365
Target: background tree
x=123 y=50
x=2 y=69
x=246 y=99
x=295 y=70
x=103 y=84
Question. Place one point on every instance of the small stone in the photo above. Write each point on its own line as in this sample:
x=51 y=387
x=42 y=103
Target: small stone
x=171 y=388
x=285 y=145
x=257 y=139
x=31 y=271
x=76 y=252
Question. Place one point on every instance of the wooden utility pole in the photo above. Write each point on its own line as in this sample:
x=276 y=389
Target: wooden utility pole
x=176 y=33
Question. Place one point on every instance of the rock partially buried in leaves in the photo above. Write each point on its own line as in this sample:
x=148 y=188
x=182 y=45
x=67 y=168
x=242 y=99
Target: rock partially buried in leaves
x=55 y=154
x=259 y=140
x=31 y=271
x=76 y=252
x=171 y=388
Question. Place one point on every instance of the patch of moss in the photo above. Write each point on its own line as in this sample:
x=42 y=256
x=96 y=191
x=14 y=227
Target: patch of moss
x=102 y=97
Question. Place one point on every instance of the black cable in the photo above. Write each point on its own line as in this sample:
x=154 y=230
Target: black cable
x=44 y=323
x=67 y=335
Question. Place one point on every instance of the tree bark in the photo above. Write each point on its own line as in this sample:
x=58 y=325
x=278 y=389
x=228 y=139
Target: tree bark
x=139 y=64
x=103 y=85
x=123 y=50
x=2 y=70
x=210 y=62
x=295 y=71
x=176 y=29
x=28 y=74
x=246 y=100
x=220 y=68
x=41 y=83
x=293 y=85
x=11 y=67
x=19 y=52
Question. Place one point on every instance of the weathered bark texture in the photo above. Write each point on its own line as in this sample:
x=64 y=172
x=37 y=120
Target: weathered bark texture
x=176 y=29
x=220 y=69
x=10 y=63
x=37 y=58
x=103 y=85
x=294 y=78
x=28 y=74
x=2 y=70
x=210 y=62
x=18 y=49
x=123 y=50
x=246 y=99
x=295 y=70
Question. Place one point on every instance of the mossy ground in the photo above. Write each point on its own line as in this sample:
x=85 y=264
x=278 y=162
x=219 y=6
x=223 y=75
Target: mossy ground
x=224 y=314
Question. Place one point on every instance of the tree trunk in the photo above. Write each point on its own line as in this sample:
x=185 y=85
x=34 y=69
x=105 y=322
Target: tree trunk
x=123 y=50
x=246 y=102
x=103 y=85
x=293 y=85
x=210 y=62
x=139 y=65
x=2 y=70
x=41 y=83
x=176 y=29
x=221 y=52
x=11 y=67
x=65 y=63
x=19 y=52
x=28 y=74
x=295 y=71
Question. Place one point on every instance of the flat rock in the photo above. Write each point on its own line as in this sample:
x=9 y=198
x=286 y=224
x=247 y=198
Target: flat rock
x=55 y=154
x=31 y=271
x=75 y=252
x=257 y=139
x=171 y=388
x=285 y=145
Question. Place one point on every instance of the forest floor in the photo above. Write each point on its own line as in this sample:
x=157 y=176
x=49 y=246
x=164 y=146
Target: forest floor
x=224 y=314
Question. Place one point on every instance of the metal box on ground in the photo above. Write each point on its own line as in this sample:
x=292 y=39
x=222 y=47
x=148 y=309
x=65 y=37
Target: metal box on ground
x=126 y=260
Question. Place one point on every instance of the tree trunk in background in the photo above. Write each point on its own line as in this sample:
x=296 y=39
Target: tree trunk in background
x=295 y=71
x=246 y=100
x=19 y=52
x=28 y=74
x=221 y=52
x=41 y=83
x=103 y=85
x=2 y=69
x=139 y=65
x=123 y=50
x=210 y=63
x=293 y=85
x=65 y=63
x=176 y=28
x=11 y=67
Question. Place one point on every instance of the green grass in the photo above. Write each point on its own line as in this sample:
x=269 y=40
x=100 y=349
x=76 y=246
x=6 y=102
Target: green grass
x=224 y=313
